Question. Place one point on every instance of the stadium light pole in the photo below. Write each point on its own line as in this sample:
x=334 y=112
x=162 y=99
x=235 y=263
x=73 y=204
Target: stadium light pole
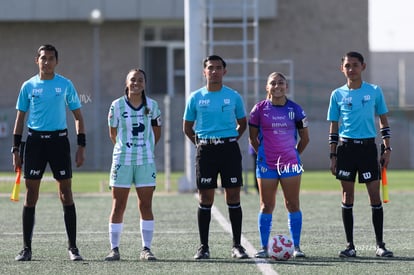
x=96 y=21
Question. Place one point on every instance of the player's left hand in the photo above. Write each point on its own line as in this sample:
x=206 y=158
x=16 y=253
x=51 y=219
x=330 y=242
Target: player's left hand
x=80 y=156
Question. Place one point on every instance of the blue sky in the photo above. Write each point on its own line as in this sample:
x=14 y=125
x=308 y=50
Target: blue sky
x=391 y=25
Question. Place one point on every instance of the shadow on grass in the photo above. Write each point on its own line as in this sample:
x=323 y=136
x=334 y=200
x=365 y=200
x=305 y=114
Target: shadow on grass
x=326 y=261
x=316 y=261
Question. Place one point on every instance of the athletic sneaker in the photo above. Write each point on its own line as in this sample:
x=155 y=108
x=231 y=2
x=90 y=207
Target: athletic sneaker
x=74 y=254
x=383 y=252
x=146 y=254
x=298 y=253
x=262 y=253
x=202 y=253
x=348 y=252
x=24 y=255
x=113 y=255
x=239 y=252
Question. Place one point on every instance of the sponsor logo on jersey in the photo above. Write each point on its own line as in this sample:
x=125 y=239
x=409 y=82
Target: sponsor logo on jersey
x=137 y=128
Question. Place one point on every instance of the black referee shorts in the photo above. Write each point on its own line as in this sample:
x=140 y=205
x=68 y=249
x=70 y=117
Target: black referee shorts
x=224 y=158
x=357 y=158
x=47 y=147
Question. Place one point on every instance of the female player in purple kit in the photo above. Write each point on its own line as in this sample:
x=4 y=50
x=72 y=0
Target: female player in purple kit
x=274 y=125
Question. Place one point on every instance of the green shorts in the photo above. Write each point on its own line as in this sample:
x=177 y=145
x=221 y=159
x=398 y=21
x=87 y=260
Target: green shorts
x=126 y=175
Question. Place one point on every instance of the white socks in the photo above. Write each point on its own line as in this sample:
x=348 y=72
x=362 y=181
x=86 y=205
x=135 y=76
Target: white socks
x=147 y=231
x=115 y=230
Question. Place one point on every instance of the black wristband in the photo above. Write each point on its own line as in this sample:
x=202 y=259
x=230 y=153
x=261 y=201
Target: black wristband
x=82 y=139
x=385 y=132
x=333 y=138
x=331 y=155
x=17 y=140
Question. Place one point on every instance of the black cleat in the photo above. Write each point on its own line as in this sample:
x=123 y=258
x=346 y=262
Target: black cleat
x=113 y=255
x=202 y=253
x=348 y=252
x=74 y=254
x=24 y=255
x=239 y=252
x=383 y=252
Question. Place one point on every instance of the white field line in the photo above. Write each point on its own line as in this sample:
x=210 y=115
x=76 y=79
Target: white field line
x=262 y=264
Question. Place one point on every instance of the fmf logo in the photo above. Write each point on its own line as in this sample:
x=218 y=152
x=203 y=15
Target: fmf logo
x=344 y=173
x=34 y=172
x=204 y=102
x=206 y=180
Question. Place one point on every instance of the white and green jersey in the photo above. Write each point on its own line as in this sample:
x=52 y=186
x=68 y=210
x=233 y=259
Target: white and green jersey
x=135 y=140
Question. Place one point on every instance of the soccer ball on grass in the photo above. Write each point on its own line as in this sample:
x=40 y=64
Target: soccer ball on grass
x=280 y=248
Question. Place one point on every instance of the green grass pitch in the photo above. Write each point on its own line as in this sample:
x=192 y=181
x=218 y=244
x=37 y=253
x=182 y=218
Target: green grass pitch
x=176 y=234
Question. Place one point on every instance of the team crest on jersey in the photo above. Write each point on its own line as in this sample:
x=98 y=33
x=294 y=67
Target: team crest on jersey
x=227 y=101
x=291 y=115
x=58 y=91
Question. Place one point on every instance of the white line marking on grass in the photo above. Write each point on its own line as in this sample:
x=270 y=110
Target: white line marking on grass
x=262 y=264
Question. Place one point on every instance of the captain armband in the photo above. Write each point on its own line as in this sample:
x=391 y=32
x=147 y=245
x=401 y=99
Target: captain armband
x=333 y=138
x=156 y=122
x=82 y=139
x=385 y=132
x=303 y=123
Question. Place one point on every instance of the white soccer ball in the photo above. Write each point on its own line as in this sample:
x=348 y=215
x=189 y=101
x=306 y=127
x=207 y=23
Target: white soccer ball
x=280 y=247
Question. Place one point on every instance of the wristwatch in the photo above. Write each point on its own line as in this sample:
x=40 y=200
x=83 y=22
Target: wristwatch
x=14 y=149
x=387 y=149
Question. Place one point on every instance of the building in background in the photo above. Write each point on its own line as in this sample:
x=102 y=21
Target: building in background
x=308 y=37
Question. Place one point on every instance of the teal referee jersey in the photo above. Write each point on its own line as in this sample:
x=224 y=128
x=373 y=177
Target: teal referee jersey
x=46 y=101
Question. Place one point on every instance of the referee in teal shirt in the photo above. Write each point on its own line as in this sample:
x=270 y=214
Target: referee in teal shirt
x=214 y=119
x=352 y=111
x=45 y=97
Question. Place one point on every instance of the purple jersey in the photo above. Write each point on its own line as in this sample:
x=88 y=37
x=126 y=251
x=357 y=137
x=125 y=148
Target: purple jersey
x=278 y=132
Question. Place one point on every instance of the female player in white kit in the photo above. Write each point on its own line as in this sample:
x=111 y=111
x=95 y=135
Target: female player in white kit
x=135 y=128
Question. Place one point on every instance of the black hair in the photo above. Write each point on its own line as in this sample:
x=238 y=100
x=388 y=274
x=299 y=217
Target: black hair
x=47 y=47
x=144 y=97
x=355 y=55
x=213 y=57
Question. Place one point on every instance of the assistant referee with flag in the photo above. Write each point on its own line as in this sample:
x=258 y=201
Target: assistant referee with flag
x=45 y=96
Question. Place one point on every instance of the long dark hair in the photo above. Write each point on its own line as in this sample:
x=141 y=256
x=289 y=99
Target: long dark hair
x=144 y=97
